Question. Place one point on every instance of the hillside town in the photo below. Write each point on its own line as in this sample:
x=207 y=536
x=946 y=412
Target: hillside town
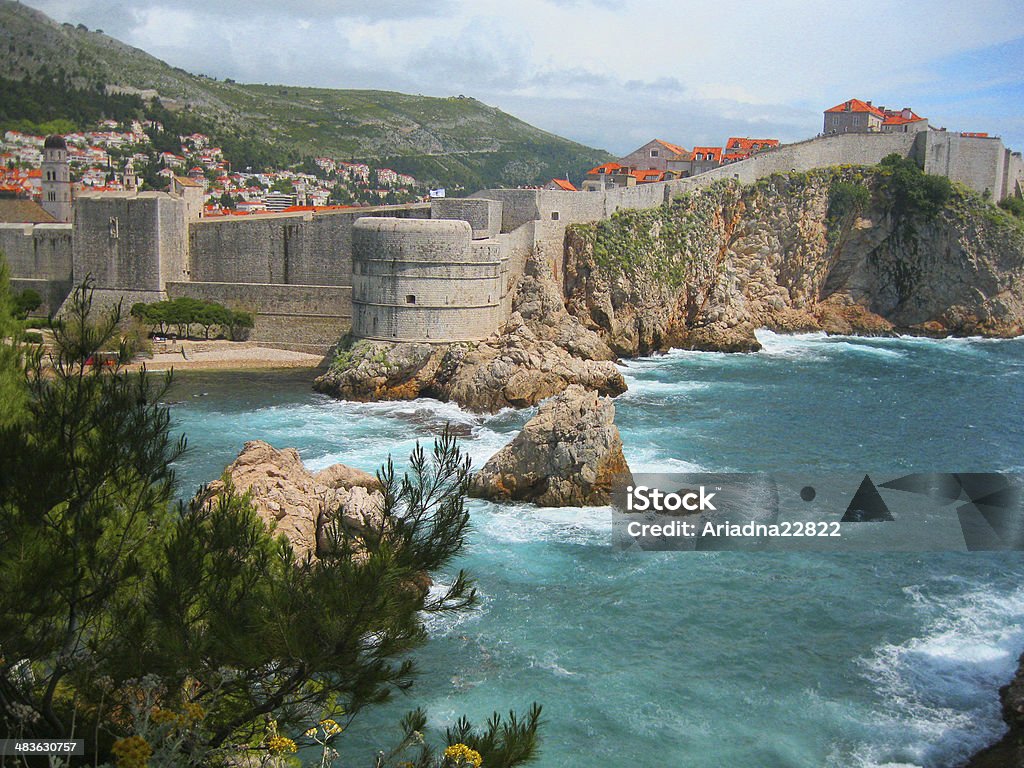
x=122 y=157
x=117 y=157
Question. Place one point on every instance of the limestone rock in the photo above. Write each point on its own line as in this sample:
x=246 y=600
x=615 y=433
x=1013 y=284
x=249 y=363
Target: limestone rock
x=299 y=504
x=566 y=455
x=708 y=268
x=1008 y=752
x=380 y=370
x=343 y=476
x=517 y=369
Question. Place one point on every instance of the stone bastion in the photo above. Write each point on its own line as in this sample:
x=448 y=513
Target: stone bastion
x=424 y=280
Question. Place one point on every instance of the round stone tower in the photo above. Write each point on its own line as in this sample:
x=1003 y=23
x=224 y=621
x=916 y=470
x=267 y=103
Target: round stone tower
x=56 y=184
x=423 y=280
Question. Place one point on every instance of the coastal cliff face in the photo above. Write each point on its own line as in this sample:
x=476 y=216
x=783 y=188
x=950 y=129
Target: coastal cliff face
x=845 y=250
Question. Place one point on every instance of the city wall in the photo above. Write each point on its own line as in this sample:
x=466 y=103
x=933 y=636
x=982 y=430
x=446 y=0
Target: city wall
x=427 y=272
x=39 y=258
x=290 y=249
x=303 y=317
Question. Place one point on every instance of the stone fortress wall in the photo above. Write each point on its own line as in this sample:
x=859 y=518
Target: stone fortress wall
x=423 y=272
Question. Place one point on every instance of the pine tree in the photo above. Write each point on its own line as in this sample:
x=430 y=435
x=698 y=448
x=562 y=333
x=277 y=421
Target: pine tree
x=190 y=631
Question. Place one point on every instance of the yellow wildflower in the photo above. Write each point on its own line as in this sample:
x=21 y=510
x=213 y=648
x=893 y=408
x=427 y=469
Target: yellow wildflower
x=193 y=712
x=132 y=752
x=330 y=727
x=281 y=745
x=160 y=716
x=462 y=756
x=310 y=732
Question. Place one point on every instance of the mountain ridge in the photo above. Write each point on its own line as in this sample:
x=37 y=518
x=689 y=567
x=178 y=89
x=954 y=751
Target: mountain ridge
x=452 y=140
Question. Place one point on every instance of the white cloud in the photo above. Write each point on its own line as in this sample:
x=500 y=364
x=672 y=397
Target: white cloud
x=631 y=68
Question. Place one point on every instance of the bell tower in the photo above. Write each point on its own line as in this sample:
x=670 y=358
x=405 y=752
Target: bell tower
x=56 y=182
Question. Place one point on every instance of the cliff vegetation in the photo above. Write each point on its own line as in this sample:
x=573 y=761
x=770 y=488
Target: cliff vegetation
x=880 y=249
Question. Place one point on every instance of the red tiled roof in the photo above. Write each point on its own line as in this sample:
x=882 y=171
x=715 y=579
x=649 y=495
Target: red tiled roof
x=20 y=211
x=675 y=148
x=715 y=153
x=900 y=120
x=974 y=135
x=749 y=145
x=604 y=169
x=564 y=184
x=856 y=105
x=648 y=175
x=896 y=116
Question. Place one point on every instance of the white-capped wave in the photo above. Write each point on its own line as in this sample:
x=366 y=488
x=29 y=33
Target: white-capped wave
x=939 y=689
x=653 y=461
x=642 y=388
x=528 y=523
x=820 y=344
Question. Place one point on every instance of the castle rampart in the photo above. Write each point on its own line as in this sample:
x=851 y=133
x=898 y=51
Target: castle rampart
x=436 y=271
x=39 y=257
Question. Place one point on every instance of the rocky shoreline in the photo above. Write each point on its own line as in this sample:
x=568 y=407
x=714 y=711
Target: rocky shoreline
x=706 y=270
x=1008 y=752
x=540 y=351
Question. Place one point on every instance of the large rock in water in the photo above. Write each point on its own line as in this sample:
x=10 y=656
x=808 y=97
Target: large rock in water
x=298 y=503
x=566 y=455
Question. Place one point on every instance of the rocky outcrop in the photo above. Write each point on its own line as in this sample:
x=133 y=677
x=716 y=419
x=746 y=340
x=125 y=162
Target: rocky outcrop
x=299 y=504
x=567 y=455
x=1008 y=752
x=539 y=352
x=705 y=270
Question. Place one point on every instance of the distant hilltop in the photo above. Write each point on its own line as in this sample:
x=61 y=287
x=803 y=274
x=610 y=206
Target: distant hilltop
x=456 y=142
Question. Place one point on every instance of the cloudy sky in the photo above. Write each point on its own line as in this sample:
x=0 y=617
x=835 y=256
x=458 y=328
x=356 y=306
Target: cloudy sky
x=611 y=73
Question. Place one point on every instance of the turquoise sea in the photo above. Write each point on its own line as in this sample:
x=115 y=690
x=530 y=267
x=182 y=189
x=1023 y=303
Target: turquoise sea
x=703 y=660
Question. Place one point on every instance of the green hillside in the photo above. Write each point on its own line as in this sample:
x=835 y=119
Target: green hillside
x=453 y=141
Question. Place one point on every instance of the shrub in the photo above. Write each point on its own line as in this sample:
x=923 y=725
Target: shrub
x=913 y=192
x=27 y=301
x=847 y=198
x=184 y=312
x=1013 y=205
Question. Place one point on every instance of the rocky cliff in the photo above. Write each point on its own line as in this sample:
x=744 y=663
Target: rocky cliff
x=844 y=250
x=1008 y=752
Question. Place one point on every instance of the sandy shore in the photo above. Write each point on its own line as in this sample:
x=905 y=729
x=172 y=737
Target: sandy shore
x=204 y=356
